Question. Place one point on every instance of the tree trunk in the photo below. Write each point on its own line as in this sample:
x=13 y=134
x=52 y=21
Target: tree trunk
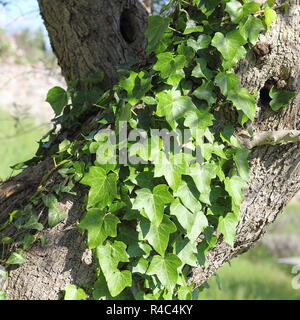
x=89 y=35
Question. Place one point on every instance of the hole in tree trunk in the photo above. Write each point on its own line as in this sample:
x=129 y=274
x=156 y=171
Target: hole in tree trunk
x=264 y=95
x=128 y=25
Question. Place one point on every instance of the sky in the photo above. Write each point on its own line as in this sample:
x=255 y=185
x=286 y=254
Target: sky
x=21 y=14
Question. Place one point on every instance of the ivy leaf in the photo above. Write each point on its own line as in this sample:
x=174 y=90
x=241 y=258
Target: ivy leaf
x=140 y=266
x=250 y=7
x=185 y=250
x=72 y=293
x=201 y=70
x=227 y=225
x=109 y=256
x=228 y=44
x=164 y=64
x=240 y=54
x=202 y=176
x=99 y=226
x=136 y=85
x=187 y=52
x=251 y=29
x=270 y=16
x=58 y=99
x=200 y=119
x=16 y=258
x=235 y=10
x=202 y=42
x=153 y=203
x=227 y=135
x=234 y=186
x=244 y=101
x=171 y=169
x=186 y=194
x=173 y=106
x=227 y=81
x=156 y=28
x=280 y=98
x=193 y=223
x=166 y=269
x=207 y=6
x=170 y=67
x=55 y=215
x=117 y=281
x=103 y=187
x=28 y=240
x=191 y=27
x=240 y=159
x=205 y=92
x=157 y=236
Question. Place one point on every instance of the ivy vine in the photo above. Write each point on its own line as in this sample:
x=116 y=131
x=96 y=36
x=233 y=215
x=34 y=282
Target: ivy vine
x=149 y=222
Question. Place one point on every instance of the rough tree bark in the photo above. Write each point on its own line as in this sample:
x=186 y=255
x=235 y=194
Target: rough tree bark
x=89 y=35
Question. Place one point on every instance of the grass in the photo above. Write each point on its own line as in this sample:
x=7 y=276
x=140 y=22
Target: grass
x=18 y=141
x=252 y=276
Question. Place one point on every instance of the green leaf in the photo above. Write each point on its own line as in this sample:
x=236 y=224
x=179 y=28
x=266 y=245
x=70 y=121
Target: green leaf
x=251 y=29
x=201 y=70
x=228 y=44
x=227 y=81
x=99 y=226
x=103 y=187
x=55 y=215
x=140 y=266
x=157 y=236
x=173 y=106
x=28 y=240
x=16 y=258
x=235 y=10
x=136 y=85
x=185 y=250
x=171 y=169
x=200 y=119
x=244 y=101
x=156 y=28
x=270 y=16
x=207 y=6
x=117 y=281
x=193 y=223
x=170 y=67
x=240 y=159
x=202 y=42
x=187 y=52
x=206 y=92
x=234 y=186
x=109 y=256
x=191 y=27
x=280 y=98
x=58 y=99
x=202 y=176
x=153 y=202
x=72 y=293
x=227 y=225
x=166 y=269
x=186 y=194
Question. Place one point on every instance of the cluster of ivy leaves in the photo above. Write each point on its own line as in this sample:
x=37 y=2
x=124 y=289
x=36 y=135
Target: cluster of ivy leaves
x=148 y=224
